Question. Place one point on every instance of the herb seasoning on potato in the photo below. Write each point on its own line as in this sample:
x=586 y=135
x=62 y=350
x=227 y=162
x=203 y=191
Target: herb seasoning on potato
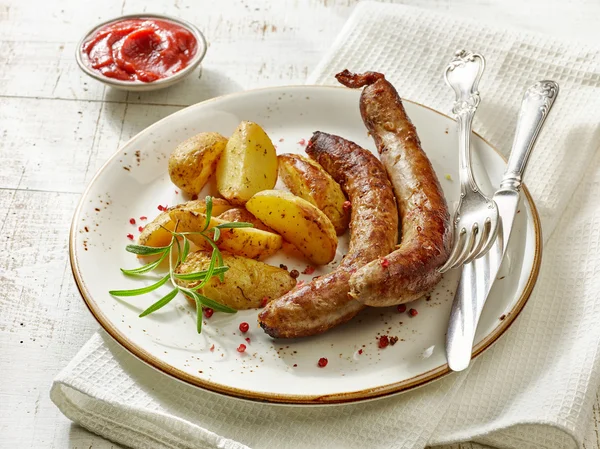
x=195 y=160
x=307 y=179
x=298 y=221
x=157 y=232
x=248 y=164
x=245 y=284
x=247 y=242
x=238 y=214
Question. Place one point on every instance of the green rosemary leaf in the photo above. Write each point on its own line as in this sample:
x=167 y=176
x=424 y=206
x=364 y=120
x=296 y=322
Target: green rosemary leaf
x=219 y=256
x=210 y=270
x=181 y=234
x=194 y=295
x=220 y=264
x=235 y=224
x=199 y=274
x=210 y=242
x=146 y=250
x=160 y=303
x=145 y=268
x=216 y=234
x=209 y=205
x=221 y=275
x=179 y=259
x=215 y=305
x=140 y=291
x=186 y=249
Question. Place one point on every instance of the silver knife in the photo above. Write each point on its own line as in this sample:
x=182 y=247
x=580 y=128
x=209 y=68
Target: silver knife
x=477 y=278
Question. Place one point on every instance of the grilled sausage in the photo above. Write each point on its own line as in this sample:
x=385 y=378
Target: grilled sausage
x=411 y=270
x=324 y=303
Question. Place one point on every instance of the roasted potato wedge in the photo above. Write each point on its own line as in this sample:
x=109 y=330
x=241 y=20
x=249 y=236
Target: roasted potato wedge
x=245 y=284
x=195 y=160
x=246 y=242
x=238 y=214
x=248 y=164
x=298 y=221
x=307 y=179
x=155 y=234
x=219 y=206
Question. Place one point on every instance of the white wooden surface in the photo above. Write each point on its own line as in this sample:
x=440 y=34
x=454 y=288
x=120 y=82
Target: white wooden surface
x=57 y=127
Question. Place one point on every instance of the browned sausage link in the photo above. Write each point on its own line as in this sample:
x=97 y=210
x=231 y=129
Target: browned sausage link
x=324 y=303
x=410 y=271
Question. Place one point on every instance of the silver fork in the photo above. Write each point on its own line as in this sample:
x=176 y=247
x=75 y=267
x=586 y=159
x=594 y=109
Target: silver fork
x=476 y=216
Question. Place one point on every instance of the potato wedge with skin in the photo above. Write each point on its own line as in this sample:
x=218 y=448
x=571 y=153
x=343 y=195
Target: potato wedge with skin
x=298 y=221
x=307 y=179
x=245 y=284
x=247 y=242
x=248 y=164
x=219 y=206
x=195 y=160
x=155 y=234
x=238 y=214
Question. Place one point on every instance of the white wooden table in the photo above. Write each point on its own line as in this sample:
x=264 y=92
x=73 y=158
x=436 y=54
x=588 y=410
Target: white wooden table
x=57 y=127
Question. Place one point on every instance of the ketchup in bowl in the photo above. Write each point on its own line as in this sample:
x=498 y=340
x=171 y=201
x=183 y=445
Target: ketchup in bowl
x=144 y=49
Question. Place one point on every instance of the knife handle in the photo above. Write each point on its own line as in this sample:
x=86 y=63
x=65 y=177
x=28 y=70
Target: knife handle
x=536 y=105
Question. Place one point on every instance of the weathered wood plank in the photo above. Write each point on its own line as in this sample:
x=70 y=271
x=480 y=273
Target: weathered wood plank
x=46 y=144
x=250 y=45
x=43 y=320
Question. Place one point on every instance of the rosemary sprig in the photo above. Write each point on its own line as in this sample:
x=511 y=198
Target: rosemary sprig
x=215 y=268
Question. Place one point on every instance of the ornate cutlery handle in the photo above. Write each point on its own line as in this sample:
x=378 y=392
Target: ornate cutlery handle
x=463 y=74
x=536 y=105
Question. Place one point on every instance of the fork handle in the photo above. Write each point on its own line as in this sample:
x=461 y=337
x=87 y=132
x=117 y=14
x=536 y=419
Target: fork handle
x=471 y=67
x=536 y=105
x=465 y=111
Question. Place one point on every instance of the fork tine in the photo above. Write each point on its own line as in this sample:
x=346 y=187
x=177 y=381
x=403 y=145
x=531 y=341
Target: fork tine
x=493 y=233
x=468 y=247
x=459 y=243
x=481 y=241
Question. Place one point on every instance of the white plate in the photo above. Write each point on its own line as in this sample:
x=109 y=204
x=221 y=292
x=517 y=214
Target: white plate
x=135 y=181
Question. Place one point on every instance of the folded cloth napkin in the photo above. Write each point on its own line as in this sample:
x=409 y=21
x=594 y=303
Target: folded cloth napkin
x=535 y=388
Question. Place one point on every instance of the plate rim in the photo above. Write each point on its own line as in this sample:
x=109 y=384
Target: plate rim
x=289 y=399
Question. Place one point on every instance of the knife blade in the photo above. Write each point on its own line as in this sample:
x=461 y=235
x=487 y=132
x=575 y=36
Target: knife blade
x=477 y=277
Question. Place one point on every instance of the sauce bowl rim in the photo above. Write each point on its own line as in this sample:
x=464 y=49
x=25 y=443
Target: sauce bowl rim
x=163 y=82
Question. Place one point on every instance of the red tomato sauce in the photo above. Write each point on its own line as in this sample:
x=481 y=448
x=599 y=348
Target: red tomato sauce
x=140 y=49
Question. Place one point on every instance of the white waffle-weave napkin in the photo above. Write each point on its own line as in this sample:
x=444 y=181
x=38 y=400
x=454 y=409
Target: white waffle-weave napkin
x=534 y=388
